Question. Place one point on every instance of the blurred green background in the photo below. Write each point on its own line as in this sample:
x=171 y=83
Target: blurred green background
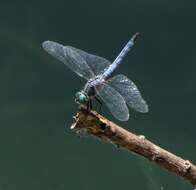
x=38 y=150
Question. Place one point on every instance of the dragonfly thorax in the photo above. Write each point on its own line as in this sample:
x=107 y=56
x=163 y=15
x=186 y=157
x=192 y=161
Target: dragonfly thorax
x=92 y=85
x=89 y=89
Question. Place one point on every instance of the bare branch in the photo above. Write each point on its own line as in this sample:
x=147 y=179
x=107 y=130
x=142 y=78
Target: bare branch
x=97 y=125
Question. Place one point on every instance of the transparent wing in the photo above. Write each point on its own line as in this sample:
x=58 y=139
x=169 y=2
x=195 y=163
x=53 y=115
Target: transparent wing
x=130 y=92
x=70 y=58
x=115 y=102
x=96 y=63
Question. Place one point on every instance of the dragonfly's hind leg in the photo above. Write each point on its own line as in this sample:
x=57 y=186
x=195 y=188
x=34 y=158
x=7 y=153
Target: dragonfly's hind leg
x=99 y=102
x=89 y=105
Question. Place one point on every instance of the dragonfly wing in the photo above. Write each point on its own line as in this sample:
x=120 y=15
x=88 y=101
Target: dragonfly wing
x=130 y=92
x=115 y=102
x=96 y=63
x=70 y=58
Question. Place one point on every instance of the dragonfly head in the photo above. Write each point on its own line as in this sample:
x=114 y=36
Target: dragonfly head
x=81 y=98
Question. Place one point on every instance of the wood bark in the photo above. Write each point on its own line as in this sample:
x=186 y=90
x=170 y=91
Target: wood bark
x=94 y=124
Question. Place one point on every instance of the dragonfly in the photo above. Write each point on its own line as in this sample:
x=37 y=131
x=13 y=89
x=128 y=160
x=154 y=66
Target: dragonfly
x=116 y=92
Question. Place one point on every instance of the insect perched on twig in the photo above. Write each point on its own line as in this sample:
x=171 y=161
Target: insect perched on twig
x=116 y=92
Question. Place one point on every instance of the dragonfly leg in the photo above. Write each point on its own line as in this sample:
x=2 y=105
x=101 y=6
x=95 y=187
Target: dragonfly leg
x=90 y=104
x=99 y=101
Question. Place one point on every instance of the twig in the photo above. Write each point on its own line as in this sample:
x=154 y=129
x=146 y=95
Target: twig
x=97 y=125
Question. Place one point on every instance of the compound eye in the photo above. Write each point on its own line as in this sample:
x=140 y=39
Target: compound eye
x=82 y=98
x=77 y=95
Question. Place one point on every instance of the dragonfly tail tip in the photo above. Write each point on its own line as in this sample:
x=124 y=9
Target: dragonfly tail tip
x=135 y=36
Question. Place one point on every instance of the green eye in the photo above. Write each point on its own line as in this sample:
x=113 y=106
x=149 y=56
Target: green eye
x=77 y=95
x=82 y=98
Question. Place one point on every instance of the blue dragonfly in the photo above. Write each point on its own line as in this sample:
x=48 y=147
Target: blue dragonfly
x=116 y=92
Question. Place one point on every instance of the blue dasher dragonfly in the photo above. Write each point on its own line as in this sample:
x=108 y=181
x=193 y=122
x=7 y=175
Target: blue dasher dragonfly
x=115 y=91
